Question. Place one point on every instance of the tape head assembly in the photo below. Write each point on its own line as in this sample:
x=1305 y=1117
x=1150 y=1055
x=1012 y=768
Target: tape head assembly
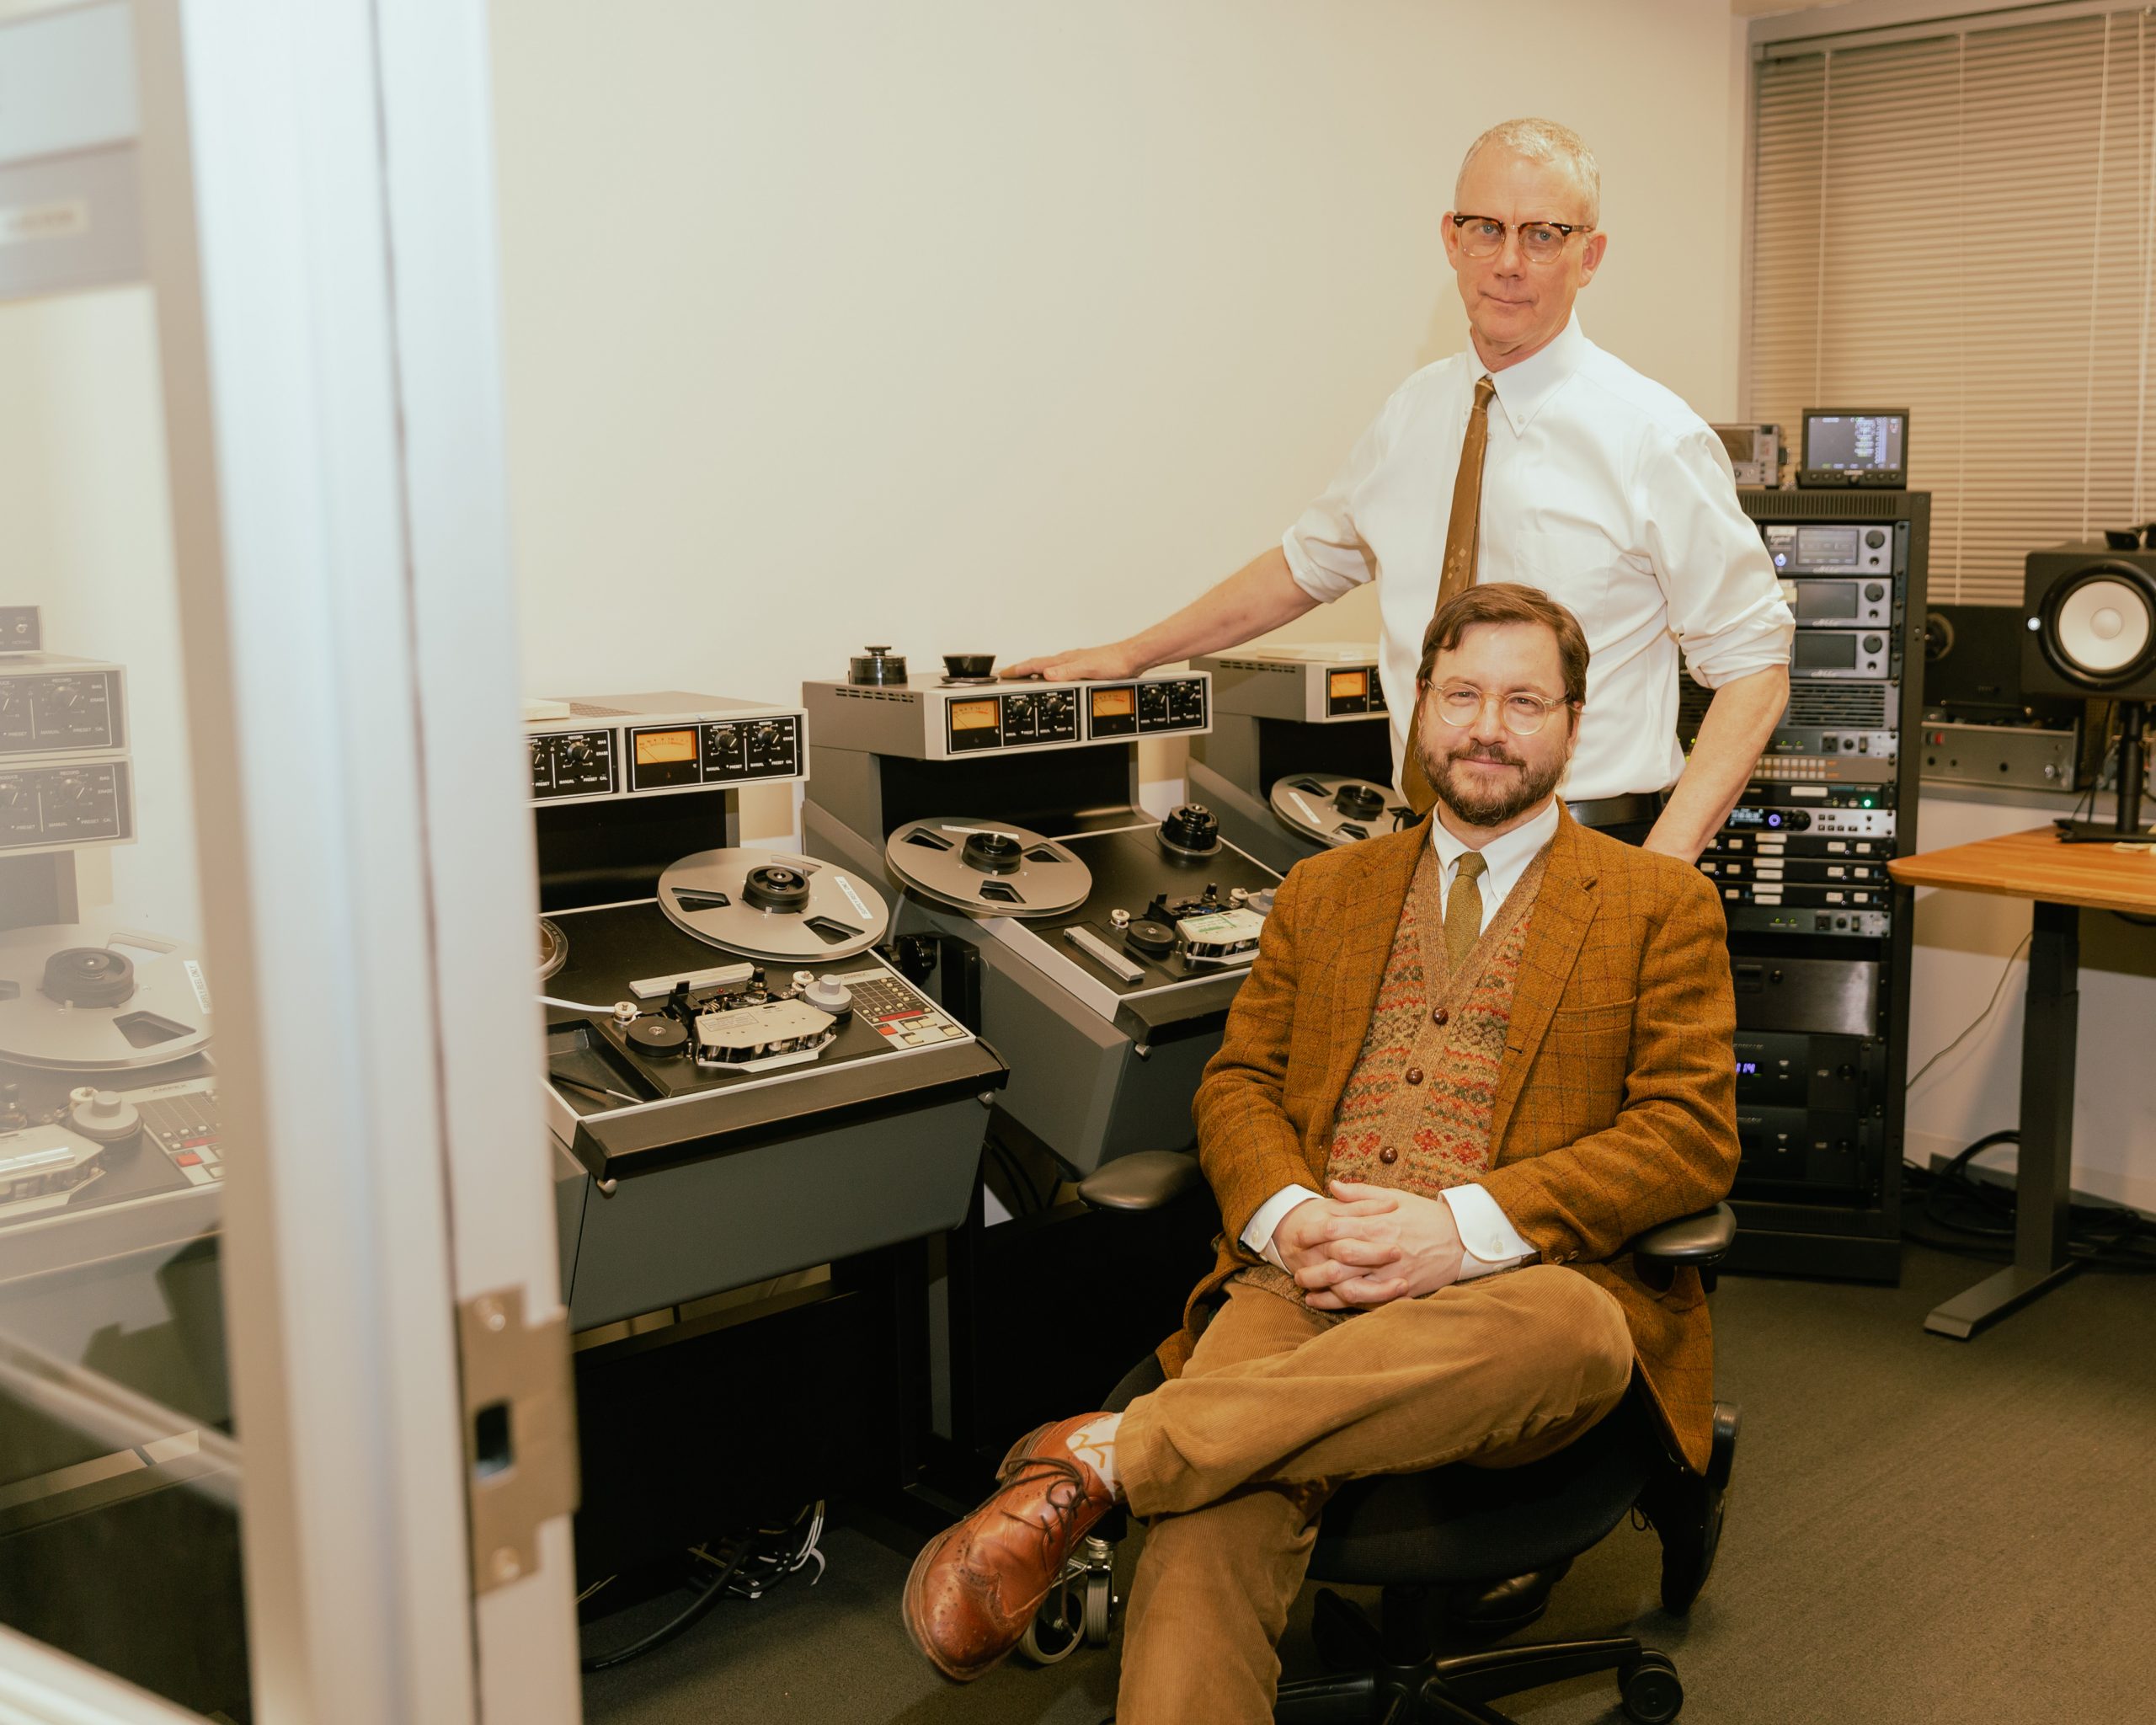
x=986 y=869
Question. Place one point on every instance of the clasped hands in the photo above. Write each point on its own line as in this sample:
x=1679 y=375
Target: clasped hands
x=1368 y=1246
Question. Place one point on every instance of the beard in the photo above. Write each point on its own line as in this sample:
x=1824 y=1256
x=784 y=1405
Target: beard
x=1491 y=803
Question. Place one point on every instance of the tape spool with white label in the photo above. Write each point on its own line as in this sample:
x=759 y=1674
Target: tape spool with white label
x=987 y=869
x=769 y=905
x=81 y=998
x=1332 y=809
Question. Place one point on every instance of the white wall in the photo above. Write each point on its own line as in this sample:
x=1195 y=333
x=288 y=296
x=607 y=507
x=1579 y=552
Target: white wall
x=85 y=535
x=968 y=325
x=1963 y=943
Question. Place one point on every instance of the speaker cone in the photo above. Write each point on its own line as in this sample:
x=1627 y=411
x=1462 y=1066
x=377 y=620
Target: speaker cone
x=2097 y=626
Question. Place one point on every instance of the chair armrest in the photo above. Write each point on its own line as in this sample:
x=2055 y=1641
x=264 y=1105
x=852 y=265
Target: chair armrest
x=1702 y=1240
x=1146 y=1179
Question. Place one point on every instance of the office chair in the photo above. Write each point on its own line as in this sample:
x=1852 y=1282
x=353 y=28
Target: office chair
x=1454 y=1535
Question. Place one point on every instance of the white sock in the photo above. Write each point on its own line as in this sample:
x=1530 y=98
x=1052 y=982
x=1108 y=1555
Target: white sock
x=1094 y=1444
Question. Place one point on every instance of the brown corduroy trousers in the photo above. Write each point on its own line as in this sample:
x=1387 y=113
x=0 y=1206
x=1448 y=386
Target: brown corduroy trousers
x=1230 y=1463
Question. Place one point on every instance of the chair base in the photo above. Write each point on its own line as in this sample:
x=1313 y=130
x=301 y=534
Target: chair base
x=1403 y=1681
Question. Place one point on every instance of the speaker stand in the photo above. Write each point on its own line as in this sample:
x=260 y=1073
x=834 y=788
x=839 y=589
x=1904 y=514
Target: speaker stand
x=2133 y=767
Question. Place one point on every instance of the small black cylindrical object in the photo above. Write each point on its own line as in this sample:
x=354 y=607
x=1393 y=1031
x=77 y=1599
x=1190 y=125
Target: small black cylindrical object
x=877 y=667
x=994 y=852
x=1193 y=829
x=1360 y=802
x=774 y=887
x=1157 y=940
x=658 y=1035
x=969 y=665
x=88 y=976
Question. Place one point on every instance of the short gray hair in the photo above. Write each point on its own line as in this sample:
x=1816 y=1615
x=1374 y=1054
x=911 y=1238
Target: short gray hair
x=1541 y=141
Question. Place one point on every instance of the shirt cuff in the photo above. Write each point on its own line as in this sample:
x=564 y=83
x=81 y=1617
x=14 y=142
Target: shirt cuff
x=1323 y=584
x=1258 y=1236
x=1490 y=1242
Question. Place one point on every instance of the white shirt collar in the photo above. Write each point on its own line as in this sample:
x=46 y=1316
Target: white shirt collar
x=1504 y=858
x=1522 y=389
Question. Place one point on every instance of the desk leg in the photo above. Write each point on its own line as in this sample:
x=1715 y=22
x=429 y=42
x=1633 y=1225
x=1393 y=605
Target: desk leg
x=2040 y=1183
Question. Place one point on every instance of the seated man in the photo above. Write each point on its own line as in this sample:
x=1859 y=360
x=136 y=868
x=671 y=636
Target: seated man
x=1471 y=1060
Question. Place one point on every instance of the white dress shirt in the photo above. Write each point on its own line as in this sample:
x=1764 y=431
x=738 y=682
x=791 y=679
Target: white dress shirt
x=1599 y=486
x=1488 y=1240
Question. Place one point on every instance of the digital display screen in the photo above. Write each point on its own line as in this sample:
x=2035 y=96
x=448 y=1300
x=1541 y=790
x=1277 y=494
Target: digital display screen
x=974 y=715
x=1771 y=818
x=1854 y=443
x=664 y=748
x=1826 y=547
x=1114 y=703
x=1747 y=1068
x=1825 y=650
x=1821 y=598
x=1349 y=685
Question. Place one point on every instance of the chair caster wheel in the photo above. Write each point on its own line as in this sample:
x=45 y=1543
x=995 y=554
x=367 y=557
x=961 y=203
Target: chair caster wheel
x=1649 y=1690
x=1057 y=1631
x=1099 y=1608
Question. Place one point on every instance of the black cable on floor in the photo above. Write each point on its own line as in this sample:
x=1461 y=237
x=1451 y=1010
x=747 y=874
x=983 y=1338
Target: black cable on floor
x=1978 y=1219
x=712 y=1591
x=761 y=1560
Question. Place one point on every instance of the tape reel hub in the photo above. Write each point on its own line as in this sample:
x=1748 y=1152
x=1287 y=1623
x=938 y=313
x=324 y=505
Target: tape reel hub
x=774 y=887
x=88 y=976
x=994 y=852
x=1359 y=802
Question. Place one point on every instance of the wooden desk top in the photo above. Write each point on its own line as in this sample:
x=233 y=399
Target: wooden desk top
x=2035 y=865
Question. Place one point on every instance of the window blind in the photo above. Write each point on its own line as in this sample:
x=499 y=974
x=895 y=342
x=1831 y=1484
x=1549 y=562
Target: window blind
x=1964 y=225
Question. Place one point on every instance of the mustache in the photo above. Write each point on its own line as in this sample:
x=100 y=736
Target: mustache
x=1495 y=753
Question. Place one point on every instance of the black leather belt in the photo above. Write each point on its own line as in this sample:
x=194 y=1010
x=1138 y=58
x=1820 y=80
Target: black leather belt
x=1618 y=811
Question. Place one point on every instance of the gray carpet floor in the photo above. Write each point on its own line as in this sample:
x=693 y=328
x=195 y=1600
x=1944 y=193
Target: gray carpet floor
x=1920 y=1531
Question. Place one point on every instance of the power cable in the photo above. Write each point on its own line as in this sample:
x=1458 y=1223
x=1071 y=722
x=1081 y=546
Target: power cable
x=2006 y=971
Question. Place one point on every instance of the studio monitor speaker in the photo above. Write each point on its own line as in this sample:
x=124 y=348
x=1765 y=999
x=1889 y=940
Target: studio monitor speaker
x=2089 y=616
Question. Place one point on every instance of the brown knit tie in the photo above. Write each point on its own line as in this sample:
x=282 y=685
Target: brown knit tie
x=1463 y=539
x=1464 y=912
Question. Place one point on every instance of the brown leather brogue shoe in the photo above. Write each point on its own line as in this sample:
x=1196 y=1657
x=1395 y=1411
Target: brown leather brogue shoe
x=975 y=1586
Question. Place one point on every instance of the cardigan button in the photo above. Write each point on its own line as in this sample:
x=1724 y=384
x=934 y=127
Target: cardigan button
x=1414 y=1075
x=1389 y=1155
x=1439 y=1016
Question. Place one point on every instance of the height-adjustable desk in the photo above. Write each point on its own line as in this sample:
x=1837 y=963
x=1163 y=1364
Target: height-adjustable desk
x=2060 y=881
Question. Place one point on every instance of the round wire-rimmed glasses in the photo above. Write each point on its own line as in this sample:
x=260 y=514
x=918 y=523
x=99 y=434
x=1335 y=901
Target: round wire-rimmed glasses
x=1523 y=713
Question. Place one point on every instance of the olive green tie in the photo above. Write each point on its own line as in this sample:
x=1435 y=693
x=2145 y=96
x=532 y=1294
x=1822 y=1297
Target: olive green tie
x=1464 y=912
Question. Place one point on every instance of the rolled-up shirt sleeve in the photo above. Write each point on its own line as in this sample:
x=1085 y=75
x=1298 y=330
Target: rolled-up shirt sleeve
x=1725 y=604
x=1326 y=554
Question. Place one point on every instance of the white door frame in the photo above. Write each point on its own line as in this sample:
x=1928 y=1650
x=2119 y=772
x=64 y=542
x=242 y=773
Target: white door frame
x=317 y=190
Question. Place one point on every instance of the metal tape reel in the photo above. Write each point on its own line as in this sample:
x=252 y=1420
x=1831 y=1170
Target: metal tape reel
x=138 y=1000
x=553 y=947
x=987 y=869
x=1333 y=807
x=771 y=905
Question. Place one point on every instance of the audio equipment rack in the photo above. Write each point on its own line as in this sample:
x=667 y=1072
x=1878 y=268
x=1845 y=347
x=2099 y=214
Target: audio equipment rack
x=1819 y=937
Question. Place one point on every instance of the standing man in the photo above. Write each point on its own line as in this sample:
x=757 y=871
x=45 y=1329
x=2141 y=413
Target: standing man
x=1534 y=457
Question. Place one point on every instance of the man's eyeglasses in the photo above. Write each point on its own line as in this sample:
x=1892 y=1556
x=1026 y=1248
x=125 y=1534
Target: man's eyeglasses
x=1484 y=236
x=1461 y=704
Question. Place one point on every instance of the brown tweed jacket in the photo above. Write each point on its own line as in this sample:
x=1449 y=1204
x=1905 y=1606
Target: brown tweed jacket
x=1616 y=1095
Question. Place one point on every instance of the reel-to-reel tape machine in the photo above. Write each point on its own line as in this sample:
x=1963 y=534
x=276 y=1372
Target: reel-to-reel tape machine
x=106 y=1094
x=721 y=1029
x=1299 y=758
